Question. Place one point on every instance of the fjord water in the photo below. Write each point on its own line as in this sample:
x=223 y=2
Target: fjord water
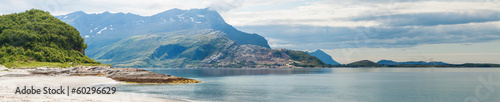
x=330 y=84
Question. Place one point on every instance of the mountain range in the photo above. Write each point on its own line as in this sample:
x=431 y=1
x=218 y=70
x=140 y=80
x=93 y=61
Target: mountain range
x=106 y=28
x=390 y=62
x=412 y=64
x=327 y=59
x=178 y=38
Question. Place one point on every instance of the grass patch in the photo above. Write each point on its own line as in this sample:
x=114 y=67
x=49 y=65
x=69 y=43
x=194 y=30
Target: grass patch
x=34 y=64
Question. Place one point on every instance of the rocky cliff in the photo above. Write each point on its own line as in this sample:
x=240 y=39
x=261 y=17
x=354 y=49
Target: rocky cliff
x=199 y=49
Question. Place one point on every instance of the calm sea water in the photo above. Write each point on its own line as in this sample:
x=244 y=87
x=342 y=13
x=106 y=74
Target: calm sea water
x=330 y=84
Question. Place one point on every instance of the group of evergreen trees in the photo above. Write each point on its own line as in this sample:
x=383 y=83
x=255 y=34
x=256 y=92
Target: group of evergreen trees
x=37 y=35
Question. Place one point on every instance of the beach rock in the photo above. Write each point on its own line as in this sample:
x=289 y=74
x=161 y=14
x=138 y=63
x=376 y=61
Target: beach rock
x=143 y=76
x=130 y=75
x=3 y=68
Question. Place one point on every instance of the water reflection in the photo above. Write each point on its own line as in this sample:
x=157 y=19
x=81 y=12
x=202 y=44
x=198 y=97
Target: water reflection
x=207 y=90
x=221 y=72
x=321 y=85
x=207 y=72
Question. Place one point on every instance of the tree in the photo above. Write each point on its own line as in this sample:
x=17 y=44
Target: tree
x=38 y=35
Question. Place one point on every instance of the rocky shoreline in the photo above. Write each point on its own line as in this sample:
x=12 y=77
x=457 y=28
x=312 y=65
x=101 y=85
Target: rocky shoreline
x=128 y=75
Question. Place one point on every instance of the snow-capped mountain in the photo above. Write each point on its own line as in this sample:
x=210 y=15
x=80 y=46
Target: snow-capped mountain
x=178 y=38
x=106 y=28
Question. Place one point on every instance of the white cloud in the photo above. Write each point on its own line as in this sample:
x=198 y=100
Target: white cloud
x=445 y=6
x=335 y=13
x=225 y=5
x=315 y=37
x=141 y=7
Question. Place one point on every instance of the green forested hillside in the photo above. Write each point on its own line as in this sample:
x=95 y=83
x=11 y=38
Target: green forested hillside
x=35 y=35
x=306 y=59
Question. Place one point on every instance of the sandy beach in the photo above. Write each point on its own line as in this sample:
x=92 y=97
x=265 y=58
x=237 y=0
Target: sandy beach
x=13 y=78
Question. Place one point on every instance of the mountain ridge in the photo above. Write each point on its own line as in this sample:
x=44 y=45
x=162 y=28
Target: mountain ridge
x=206 y=48
x=195 y=38
x=327 y=59
x=390 y=62
x=107 y=28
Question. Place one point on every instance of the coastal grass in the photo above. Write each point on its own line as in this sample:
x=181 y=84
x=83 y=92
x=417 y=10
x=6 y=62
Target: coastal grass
x=35 y=64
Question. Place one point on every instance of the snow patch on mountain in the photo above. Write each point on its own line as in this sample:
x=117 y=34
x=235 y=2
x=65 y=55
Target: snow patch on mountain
x=181 y=16
x=164 y=21
x=172 y=20
x=200 y=15
x=102 y=30
x=139 y=22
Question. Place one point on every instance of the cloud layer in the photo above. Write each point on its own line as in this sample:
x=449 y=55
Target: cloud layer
x=339 y=24
x=225 y=5
x=320 y=24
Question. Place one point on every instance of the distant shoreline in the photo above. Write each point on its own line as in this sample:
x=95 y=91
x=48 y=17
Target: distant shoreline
x=423 y=66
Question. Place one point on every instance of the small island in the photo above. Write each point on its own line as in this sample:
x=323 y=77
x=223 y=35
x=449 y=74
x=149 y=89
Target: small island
x=411 y=64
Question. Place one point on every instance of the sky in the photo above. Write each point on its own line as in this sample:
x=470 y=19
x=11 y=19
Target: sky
x=453 y=31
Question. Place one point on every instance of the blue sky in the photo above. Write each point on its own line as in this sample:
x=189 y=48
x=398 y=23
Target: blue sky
x=454 y=31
